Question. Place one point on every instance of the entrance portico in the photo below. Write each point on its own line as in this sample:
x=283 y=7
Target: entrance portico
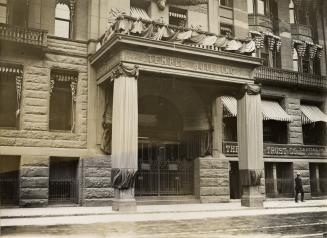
x=127 y=60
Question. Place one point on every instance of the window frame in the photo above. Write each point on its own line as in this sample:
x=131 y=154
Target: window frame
x=59 y=19
x=230 y=3
x=5 y=5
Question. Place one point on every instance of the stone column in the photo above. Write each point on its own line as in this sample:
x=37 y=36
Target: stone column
x=213 y=16
x=124 y=137
x=274 y=167
x=249 y=135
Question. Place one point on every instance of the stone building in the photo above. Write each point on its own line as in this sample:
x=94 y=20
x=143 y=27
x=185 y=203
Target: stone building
x=105 y=101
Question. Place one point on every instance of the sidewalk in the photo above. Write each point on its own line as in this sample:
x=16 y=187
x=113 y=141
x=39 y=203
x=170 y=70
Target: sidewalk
x=89 y=215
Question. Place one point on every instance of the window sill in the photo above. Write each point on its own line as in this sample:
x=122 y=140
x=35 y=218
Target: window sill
x=226 y=7
x=62 y=131
x=9 y=128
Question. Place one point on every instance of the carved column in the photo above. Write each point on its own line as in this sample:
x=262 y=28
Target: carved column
x=124 y=137
x=249 y=134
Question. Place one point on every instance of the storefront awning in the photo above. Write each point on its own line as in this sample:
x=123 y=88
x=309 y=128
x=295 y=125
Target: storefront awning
x=271 y=110
x=311 y=114
x=139 y=13
x=230 y=106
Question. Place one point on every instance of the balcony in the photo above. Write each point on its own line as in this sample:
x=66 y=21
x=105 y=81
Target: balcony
x=286 y=77
x=230 y=149
x=29 y=36
x=301 y=32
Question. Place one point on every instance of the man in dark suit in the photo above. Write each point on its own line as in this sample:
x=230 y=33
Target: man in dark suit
x=298 y=187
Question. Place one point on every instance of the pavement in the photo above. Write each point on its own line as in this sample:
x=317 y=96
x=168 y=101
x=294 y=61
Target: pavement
x=50 y=216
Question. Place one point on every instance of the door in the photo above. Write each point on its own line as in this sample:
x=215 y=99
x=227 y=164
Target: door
x=162 y=171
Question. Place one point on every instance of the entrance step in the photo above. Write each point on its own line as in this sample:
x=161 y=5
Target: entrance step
x=166 y=200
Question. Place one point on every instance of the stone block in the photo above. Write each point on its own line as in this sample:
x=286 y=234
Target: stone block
x=34 y=193
x=212 y=182
x=212 y=163
x=97 y=172
x=300 y=165
x=214 y=199
x=33 y=202
x=34 y=182
x=97 y=202
x=34 y=171
x=93 y=193
x=214 y=191
x=101 y=161
x=97 y=182
x=34 y=160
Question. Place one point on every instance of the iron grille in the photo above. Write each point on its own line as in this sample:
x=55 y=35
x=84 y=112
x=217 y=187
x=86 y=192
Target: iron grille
x=9 y=190
x=63 y=190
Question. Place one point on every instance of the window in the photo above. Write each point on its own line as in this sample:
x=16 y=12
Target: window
x=10 y=90
x=302 y=17
x=316 y=66
x=274 y=132
x=250 y=6
x=177 y=17
x=62 y=20
x=292 y=12
x=3 y=11
x=226 y=29
x=261 y=7
x=306 y=66
x=226 y=3
x=62 y=101
x=295 y=60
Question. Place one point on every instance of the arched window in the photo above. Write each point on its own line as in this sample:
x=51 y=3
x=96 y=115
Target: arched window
x=292 y=12
x=295 y=61
x=62 y=20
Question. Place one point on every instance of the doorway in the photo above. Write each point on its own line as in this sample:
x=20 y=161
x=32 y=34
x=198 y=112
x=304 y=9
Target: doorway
x=234 y=180
x=162 y=170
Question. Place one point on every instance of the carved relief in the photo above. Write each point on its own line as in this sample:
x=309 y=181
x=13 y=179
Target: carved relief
x=107 y=125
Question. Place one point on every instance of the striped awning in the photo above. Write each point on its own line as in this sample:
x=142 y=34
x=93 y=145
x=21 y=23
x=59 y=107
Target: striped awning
x=230 y=106
x=140 y=13
x=311 y=114
x=271 y=110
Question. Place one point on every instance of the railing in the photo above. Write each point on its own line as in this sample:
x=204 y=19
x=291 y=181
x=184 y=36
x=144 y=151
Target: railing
x=63 y=190
x=290 y=77
x=284 y=187
x=23 y=35
x=281 y=150
x=8 y=190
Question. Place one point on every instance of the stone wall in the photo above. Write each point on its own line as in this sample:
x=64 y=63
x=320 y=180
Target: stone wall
x=96 y=185
x=34 y=117
x=34 y=181
x=211 y=179
x=304 y=170
x=292 y=106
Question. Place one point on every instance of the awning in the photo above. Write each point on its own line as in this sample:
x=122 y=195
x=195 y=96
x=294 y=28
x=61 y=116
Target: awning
x=230 y=106
x=271 y=110
x=311 y=114
x=140 y=13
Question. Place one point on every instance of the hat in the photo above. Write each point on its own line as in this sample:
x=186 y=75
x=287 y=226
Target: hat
x=298 y=173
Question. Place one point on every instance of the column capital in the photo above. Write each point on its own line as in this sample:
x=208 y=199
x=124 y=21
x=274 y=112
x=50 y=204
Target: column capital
x=124 y=70
x=249 y=89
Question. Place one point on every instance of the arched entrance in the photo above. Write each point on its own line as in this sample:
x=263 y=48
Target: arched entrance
x=164 y=168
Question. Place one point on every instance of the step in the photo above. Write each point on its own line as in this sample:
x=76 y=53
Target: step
x=166 y=200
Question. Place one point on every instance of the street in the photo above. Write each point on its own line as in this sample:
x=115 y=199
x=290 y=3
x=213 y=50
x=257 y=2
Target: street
x=282 y=225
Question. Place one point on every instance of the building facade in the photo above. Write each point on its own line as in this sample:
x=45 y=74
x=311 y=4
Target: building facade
x=105 y=101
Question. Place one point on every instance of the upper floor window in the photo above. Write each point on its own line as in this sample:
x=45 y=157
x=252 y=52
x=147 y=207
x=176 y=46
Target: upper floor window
x=257 y=7
x=62 y=20
x=3 y=11
x=261 y=7
x=10 y=92
x=63 y=85
x=291 y=12
x=177 y=16
x=302 y=16
x=226 y=29
x=226 y=3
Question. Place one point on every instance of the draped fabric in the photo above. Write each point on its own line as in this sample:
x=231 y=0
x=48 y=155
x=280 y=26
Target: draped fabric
x=249 y=127
x=125 y=123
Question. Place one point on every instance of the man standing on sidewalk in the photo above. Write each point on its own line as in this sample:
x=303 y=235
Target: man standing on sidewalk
x=298 y=188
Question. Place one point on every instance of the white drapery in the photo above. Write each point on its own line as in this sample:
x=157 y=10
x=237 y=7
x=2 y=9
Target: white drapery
x=125 y=123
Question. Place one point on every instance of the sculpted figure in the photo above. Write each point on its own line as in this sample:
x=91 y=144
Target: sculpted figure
x=107 y=126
